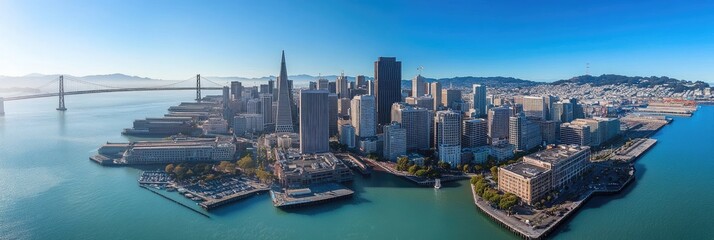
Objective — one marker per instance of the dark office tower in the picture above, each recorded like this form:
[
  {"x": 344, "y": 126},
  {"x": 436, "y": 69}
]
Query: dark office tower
[
  {"x": 332, "y": 87},
  {"x": 333, "y": 113},
  {"x": 271, "y": 86},
  {"x": 323, "y": 84},
  {"x": 266, "y": 107},
  {"x": 264, "y": 88},
  {"x": 314, "y": 117},
  {"x": 312, "y": 86},
  {"x": 361, "y": 82},
  {"x": 284, "y": 113},
  {"x": 236, "y": 89},
  {"x": 387, "y": 87}
]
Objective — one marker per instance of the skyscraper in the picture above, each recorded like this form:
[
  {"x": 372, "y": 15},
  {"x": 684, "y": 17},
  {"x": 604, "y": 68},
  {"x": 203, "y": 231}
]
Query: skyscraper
[
  {"x": 447, "y": 125},
  {"x": 474, "y": 132},
  {"x": 387, "y": 87},
  {"x": 498, "y": 123},
  {"x": 236, "y": 90},
  {"x": 524, "y": 133},
  {"x": 361, "y": 82},
  {"x": 323, "y": 84},
  {"x": 363, "y": 115},
  {"x": 343, "y": 90},
  {"x": 535, "y": 107},
  {"x": 343, "y": 107},
  {"x": 449, "y": 97},
  {"x": 284, "y": 114},
  {"x": 435, "y": 91},
  {"x": 418, "y": 86},
  {"x": 479, "y": 99},
  {"x": 332, "y": 99},
  {"x": 314, "y": 117},
  {"x": 417, "y": 122},
  {"x": 266, "y": 107}
]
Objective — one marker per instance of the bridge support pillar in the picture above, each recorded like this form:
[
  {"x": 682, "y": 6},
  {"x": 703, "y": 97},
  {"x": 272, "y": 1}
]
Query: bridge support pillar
[
  {"x": 61, "y": 94},
  {"x": 2, "y": 106},
  {"x": 198, "y": 88}
]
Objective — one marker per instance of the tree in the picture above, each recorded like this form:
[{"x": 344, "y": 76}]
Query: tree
[
  {"x": 508, "y": 201},
  {"x": 413, "y": 169},
  {"x": 402, "y": 163},
  {"x": 264, "y": 176},
  {"x": 478, "y": 167},
  {"x": 420, "y": 173},
  {"x": 494, "y": 172},
  {"x": 444, "y": 165},
  {"x": 466, "y": 168},
  {"x": 169, "y": 168},
  {"x": 246, "y": 162}
]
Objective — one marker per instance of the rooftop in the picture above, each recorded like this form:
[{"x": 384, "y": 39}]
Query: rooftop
[
  {"x": 525, "y": 169},
  {"x": 558, "y": 153}
]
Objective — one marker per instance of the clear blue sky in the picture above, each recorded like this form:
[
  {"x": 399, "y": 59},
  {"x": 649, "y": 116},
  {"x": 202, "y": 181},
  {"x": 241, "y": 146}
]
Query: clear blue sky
[{"x": 538, "y": 40}]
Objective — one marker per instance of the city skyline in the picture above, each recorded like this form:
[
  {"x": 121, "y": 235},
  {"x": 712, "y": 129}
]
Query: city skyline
[{"x": 542, "y": 42}]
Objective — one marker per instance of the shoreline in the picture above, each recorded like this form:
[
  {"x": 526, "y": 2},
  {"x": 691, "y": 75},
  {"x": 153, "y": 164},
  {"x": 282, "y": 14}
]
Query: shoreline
[{"x": 522, "y": 229}]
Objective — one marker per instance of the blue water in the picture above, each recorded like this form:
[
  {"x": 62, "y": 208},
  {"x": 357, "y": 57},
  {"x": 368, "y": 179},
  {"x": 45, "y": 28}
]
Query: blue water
[{"x": 50, "y": 190}]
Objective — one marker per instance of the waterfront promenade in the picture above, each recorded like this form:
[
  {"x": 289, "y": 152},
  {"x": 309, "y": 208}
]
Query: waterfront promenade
[{"x": 526, "y": 230}]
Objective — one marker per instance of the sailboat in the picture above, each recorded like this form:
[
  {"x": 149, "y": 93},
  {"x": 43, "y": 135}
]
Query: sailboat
[{"x": 437, "y": 183}]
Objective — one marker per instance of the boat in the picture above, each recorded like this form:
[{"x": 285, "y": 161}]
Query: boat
[{"x": 437, "y": 183}]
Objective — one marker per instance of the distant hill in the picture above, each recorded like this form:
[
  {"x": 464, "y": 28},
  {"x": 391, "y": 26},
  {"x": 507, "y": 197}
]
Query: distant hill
[
  {"x": 467, "y": 82},
  {"x": 613, "y": 79}
]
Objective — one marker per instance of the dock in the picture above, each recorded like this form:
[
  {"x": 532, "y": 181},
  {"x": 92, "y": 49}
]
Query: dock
[
  {"x": 313, "y": 194},
  {"x": 177, "y": 202},
  {"x": 355, "y": 163},
  {"x": 638, "y": 147},
  {"x": 212, "y": 203}
]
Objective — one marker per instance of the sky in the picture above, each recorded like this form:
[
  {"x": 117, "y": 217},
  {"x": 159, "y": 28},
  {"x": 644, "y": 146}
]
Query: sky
[{"x": 535, "y": 40}]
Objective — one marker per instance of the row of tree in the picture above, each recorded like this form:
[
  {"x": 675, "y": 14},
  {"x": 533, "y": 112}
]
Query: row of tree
[{"x": 502, "y": 201}]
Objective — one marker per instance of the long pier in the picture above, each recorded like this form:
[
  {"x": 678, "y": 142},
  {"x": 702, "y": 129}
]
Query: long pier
[
  {"x": 179, "y": 203},
  {"x": 214, "y": 203}
]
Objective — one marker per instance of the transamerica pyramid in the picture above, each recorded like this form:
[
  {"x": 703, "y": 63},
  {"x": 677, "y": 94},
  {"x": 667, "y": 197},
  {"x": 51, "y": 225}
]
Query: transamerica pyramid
[{"x": 283, "y": 117}]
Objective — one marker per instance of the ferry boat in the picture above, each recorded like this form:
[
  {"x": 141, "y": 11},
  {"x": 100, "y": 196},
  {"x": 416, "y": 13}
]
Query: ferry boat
[{"x": 437, "y": 183}]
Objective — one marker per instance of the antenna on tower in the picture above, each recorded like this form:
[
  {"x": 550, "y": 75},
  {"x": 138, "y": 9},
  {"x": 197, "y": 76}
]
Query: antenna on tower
[
  {"x": 420, "y": 69},
  {"x": 587, "y": 69}
]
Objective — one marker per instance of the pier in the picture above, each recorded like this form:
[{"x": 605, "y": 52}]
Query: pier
[
  {"x": 214, "y": 203},
  {"x": 425, "y": 182},
  {"x": 177, "y": 202},
  {"x": 638, "y": 147},
  {"x": 362, "y": 167},
  {"x": 313, "y": 194}
]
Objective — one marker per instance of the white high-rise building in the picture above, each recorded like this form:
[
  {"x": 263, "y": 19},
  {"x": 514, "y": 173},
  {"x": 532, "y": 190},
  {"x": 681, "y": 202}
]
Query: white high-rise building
[
  {"x": 535, "y": 107},
  {"x": 395, "y": 145},
  {"x": 363, "y": 113},
  {"x": 418, "y": 86},
  {"x": 447, "y": 125},
  {"x": 479, "y": 100},
  {"x": 342, "y": 87}
]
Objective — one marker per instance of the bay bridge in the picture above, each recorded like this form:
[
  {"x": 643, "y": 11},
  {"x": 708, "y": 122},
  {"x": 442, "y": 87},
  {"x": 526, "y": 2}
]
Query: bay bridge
[{"x": 104, "y": 88}]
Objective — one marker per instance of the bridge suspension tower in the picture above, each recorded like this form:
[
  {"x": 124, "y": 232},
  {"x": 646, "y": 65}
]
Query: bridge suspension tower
[
  {"x": 61, "y": 94},
  {"x": 198, "y": 87}
]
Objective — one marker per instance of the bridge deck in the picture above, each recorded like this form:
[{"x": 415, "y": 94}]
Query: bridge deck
[{"x": 105, "y": 91}]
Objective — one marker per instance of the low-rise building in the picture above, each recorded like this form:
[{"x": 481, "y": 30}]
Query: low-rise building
[{"x": 296, "y": 170}]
